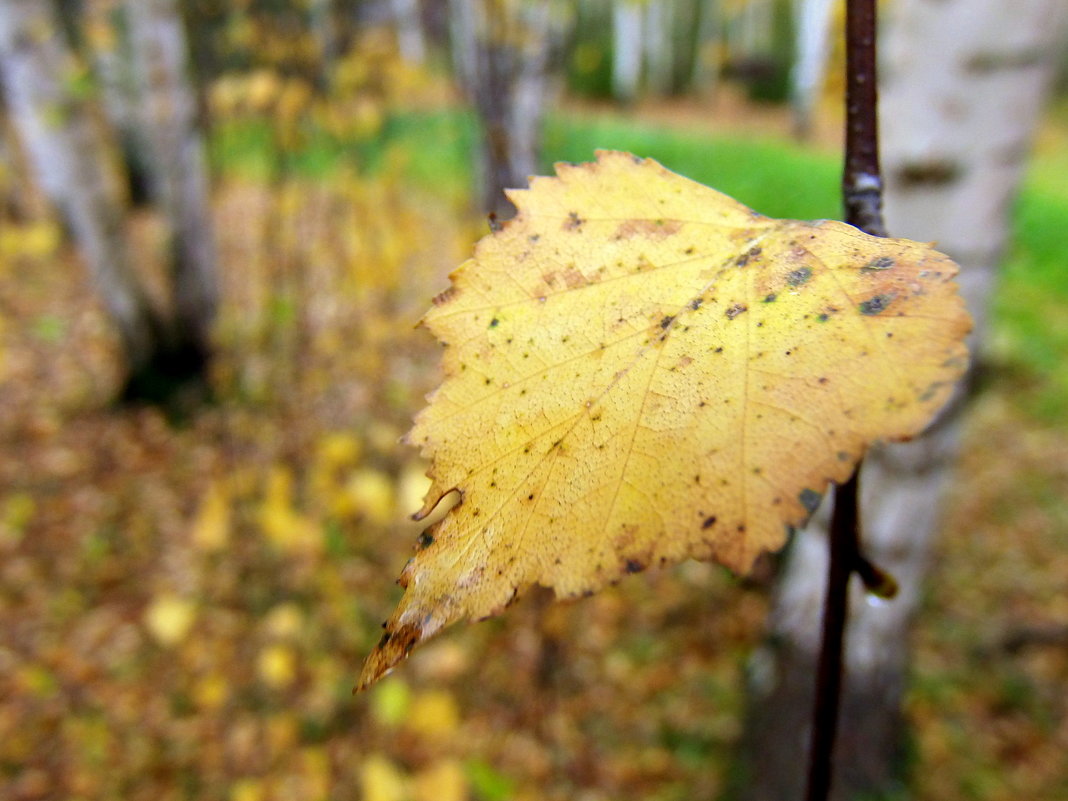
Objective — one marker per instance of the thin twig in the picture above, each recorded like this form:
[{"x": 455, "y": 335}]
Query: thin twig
[{"x": 862, "y": 197}]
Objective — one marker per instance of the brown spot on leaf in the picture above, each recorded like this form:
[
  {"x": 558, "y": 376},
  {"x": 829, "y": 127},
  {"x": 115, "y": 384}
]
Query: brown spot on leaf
[
  {"x": 735, "y": 310},
  {"x": 573, "y": 221},
  {"x": 653, "y": 229}
]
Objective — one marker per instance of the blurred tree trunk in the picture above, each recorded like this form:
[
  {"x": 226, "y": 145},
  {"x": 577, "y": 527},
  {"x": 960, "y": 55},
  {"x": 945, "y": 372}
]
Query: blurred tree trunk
[
  {"x": 407, "y": 17},
  {"x": 708, "y": 38},
  {"x": 77, "y": 167},
  {"x": 626, "y": 50},
  {"x": 812, "y": 24},
  {"x": 503, "y": 55},
  {"x": 321, "y": 14},
  {"x": 964, "y": 83},
  {"x": 68, "y": 151},
  {"x": 177, "y": 170},
  {"x": 659, "y": 45}
]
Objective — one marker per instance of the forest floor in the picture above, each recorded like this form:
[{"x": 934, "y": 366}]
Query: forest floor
[{"x": 185, "y": 603}]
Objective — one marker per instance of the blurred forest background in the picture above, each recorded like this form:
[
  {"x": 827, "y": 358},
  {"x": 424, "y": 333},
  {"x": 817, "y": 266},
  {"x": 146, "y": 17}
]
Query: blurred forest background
[{"x": 219, "y": 225}]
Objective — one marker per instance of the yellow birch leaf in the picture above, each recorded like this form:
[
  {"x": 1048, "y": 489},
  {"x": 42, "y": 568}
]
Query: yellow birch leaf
[
  {"x": 381, "y": 780},
  {"x": 639, "y": 369},
  {"x": 169, "y": 619},
  {"x": 277, "y": 666},
  {"x": 433, "y": 714},
  {"x": 443, "y": 780},
  {"x": 211, "y": 526}
]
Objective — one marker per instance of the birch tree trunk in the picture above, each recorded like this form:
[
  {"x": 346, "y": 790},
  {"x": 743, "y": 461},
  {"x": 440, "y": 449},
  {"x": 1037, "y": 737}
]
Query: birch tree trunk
[
  {"x": 626, "y": 50},
  {"x": 812, "y": 23},
  {"x": 659, "y": 45},
  {"x": 708, "y": 37},
  {"x": 69, "y": 154},
  {"x": 407, "y": 18},
  {"x": 964, "y": 83},
  {"x": 177, "y": 168},
  {"x": 502, "y": 51}
]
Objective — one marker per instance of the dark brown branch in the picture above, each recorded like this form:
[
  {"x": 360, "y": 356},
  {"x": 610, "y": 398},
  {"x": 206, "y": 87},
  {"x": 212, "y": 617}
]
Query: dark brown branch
[
  {"x": 862, "y": 197},
  {"x": 862, "y": 183}
]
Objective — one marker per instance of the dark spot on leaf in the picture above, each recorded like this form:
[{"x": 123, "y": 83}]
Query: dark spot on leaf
[
  {"x": 810, "y": 499},
  {"x": 735, "y": 310},
  {"x": 695, "y": 304},
  {"x": 426, "y": 539},
  {"x": 824, "y": 317},
  {"x": 881, "y": 263},
  {"x": 494, "y": 323},
  {"x": 709, "y": 522},
  {"x": 799, "y": 276},
  {"x": 770, "y": 298},
  {"x": 634, "y": 567},
  {"x": 664, "y": 323},
  {"x": 385, "y": 639},
  {"x": 574, "y": 222},
  {"x": 746, "y": 257},
  {"x": 494, "y": 224},
  {"x": 876, "y": 304}
]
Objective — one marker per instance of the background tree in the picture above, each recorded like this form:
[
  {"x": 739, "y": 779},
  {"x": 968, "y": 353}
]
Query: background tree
[
  {"x": 49, "y": 93},
  {"x": 502, "y": 55},
  {"x": 178, "y": 172},
  {"x": 964, "y": 83}
]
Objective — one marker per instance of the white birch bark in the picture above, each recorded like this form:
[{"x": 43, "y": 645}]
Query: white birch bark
[
  {"x": 178, "y": 164},
  {"x": 812, "y": 25},
  {"x": 964, "y": 82},
  {"x": 659, "y": 50},
  {"x": 626, "y": 50},
  {"x": 502, "y": 53},
  {"x": 409, "y": 25},
  {"x": 707, "y": 38},
  {"x": 69, "y": 154}
]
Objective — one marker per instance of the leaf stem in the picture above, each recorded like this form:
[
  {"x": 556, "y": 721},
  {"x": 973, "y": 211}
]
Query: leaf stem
[{"x": 862, "y": 198}]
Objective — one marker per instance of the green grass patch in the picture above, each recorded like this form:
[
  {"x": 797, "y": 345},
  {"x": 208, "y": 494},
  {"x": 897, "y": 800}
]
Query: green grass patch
[{"x": 774, "y": 177}]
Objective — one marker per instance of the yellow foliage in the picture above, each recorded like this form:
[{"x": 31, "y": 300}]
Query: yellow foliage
[
  {"x": 284, "y": 526},
  {"x": 444, "y": 780},
  {"x": 36, "y": 240},
  {"x": 640, "y": 369},
  {"x": 433, "y": 714},
  {"x": 390, "y": 702},
  {"x": 338, "y": 449},
  {"x": 211, "y": 526},
  {"x": 169, "y": 619},
  {"x": 17, "y": 511},
  {"x": 211, "y": 692},
  {"x": 277, "y": 666},
  {"x": 284, "y": 621},
  {"x": 368, "y": 493},
  {"x": 262, "y": 89},
  {"x": 412, "y": 486},
  {"x": 248, "y": 790},
  {"x": 381, "y": 780}
]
